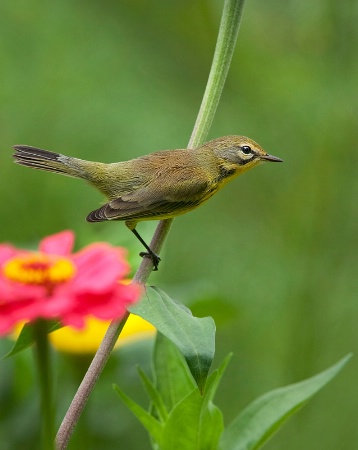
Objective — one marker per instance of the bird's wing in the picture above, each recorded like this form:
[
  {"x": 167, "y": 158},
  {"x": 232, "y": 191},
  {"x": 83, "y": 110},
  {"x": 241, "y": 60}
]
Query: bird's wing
[
  {"x": 148, "y": 203},
  {"x": 122, "y": 210}
]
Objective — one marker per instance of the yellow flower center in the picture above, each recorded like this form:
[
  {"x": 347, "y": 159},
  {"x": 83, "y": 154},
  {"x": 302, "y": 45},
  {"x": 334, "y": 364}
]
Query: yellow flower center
[{"x": 39, "y": 269}]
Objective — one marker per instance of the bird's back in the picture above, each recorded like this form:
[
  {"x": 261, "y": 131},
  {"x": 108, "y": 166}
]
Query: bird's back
[{"x": 170, "y": 173}]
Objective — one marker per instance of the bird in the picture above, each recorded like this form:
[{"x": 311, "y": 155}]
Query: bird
[{"x": 157, "y": 186}]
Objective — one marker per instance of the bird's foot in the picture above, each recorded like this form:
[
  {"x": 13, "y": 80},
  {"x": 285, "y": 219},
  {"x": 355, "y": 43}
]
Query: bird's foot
[{"x": 153, "y": 256}]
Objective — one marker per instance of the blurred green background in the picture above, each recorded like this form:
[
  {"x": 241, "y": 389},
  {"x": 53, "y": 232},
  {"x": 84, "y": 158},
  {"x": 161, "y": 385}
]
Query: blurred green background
[{"x": 273, "y": 257}]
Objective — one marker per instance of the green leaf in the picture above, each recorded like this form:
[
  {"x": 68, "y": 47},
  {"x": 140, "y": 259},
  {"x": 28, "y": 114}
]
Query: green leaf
[
  {"x": 155, "y": 397},
  {"x": 193, "y": 424},
  {"x": 171, "y": 373},
  {"x": 211, "y": 423},
  {"x": 215, "y": 378},
  {"x": 263, "y": 417},
  {"x": 211, "y": 427},
  {"x": 154, "y": 428},
  {"x": 195, "y": 337},
  {"x": 182, "y": 428},
  {"x": 193, "y": 421},
  {"x": 26, "y": 337}
]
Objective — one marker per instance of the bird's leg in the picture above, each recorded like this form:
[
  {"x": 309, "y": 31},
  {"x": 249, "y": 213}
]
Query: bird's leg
[{"x": 149, "y": 253}]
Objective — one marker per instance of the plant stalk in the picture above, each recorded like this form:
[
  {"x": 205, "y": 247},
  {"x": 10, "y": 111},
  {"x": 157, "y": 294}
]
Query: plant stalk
[
  {"x": 42, "y": 357},
  {"x": 227, "y": 37}
]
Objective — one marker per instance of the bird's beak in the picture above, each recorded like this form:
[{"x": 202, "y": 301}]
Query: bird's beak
[{"x": 268, "y": 157}]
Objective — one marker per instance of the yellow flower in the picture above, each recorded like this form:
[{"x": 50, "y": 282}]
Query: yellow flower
[{"x": 87, "y": 340}]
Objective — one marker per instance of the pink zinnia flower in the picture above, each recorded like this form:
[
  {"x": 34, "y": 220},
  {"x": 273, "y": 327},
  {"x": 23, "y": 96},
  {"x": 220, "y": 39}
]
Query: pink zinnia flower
[{"x": 54, "y": 283}]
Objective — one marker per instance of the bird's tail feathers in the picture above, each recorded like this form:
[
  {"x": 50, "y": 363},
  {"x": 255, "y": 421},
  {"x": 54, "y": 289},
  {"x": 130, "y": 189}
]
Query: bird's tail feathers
[{"x": 46, "y": 160}]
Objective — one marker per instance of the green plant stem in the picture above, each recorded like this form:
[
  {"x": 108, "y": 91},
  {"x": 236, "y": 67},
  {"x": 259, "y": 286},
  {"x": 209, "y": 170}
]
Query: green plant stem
[
  {"x": 42, "y": 354},
  {"x": 225, "y": 46},
  {"x": 229, "y": 28}
]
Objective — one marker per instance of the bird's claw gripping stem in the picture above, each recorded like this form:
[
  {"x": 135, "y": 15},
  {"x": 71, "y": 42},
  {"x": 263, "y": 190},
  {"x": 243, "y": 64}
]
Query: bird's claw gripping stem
[{"x": 153, "y": 256}]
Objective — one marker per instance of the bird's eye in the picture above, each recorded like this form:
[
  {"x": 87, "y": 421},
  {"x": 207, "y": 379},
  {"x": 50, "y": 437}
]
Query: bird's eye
[{"x": 246, "y": 150}]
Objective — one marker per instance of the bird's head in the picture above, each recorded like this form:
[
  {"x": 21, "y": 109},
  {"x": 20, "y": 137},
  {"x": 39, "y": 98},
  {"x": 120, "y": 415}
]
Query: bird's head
[{"x": 239, "y": 153}]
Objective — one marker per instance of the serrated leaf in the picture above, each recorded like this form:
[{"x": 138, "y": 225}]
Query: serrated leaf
[
  {"x": 154, "y": 428},
  {"x": 26, "y": 337},
  {"x": 262, "y": 418},
  {"x": 171, "y": 373},
  {"x": 195, "y": 337}
]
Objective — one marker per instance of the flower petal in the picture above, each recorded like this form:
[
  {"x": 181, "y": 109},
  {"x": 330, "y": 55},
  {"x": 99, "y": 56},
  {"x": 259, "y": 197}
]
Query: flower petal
[
  {"x": 74, "y": 320},
  {"x": 11, "y": 292},
  {"x": 111, "y": 304},
  {"x": 98, "y": 267},
  {"x": 7, "y": 251},
  {"x": 58, "y": 244},
  {"x": 94, "y": 289}
]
